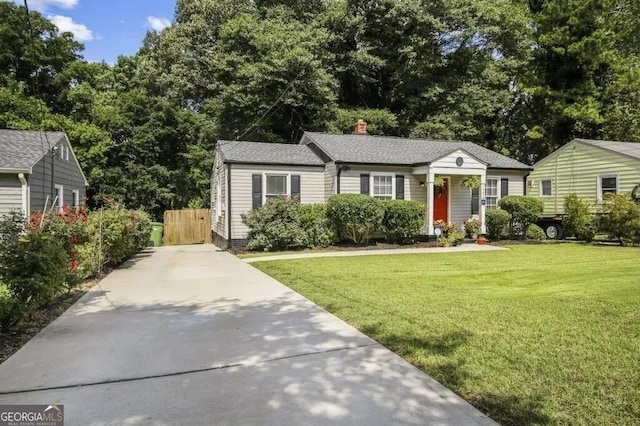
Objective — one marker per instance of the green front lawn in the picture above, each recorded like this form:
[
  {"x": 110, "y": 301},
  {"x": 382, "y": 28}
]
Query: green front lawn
[{"x": 534, "y": 335}]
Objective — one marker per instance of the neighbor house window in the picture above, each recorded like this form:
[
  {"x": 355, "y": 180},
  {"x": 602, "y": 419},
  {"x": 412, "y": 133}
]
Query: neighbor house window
[
  {"x": 607, "y": 184},
  {"x": 276, "y": 186},
  {"x": 545, "y": 188},
  {"x": 382, "y": 187},
  {"x": 76, "y": 198},
  {"x": 59, "y": 196},
  {"x": 491, "y": 193}
]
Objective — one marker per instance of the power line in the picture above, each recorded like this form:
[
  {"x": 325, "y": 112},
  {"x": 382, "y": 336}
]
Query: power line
[{"x": 290, "y": 84}]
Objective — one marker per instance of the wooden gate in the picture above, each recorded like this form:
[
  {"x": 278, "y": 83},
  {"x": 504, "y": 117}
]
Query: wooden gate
[{"x": 187, "y": 227}]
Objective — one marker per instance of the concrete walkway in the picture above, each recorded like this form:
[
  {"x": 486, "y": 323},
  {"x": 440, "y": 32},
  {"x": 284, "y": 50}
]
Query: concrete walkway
[
  {"x": 195, "y": 336},
  {"x": 425, "y": 250}
]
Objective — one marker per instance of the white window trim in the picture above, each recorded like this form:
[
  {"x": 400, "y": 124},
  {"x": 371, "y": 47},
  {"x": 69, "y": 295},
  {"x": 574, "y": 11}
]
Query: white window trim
[
  {"x": 264, "y": 184},
  {"x": 540, "y": 187},
  {"x": 67, "y": 154},
  {"x": 76, "y": 196},
  {"x": 599, "y": 195},
  {"x": 498, "y": 190},
  {"x": 393, "y": 183},
  {"x": 61, "y": 198}
]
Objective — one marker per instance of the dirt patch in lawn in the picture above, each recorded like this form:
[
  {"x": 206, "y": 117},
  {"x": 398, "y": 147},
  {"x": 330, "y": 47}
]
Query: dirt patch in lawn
[{"x": 19, "y": 335}]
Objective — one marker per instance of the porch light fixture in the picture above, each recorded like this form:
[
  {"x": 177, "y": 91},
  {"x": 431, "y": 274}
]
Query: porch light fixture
[{"x": 422, "y": 183}]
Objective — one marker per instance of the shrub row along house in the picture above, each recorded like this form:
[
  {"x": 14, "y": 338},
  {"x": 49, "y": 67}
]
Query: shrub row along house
[
  {"x": 36, "y": 167},
  {"x": 248, "y": 174}
]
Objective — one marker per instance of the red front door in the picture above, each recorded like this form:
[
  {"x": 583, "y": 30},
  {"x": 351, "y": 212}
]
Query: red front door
[{"x": 441, "y": 202}]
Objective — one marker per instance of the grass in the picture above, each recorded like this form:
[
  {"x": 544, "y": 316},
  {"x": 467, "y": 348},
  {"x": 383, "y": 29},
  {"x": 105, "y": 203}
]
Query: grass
[{"x": 539, "y": 334}]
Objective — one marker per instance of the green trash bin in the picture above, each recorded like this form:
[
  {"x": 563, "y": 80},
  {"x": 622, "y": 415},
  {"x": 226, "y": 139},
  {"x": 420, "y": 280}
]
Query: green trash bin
[{"x": 156, "y": 233}]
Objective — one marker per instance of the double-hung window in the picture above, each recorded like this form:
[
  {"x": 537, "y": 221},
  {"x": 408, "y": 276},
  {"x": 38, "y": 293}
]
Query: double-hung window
[
  {"x": 76, "y": 198},
  {"x": 546, "y": 188},
  {"x": 382, "y": 187},
  {"x": 607, "y": 184},
  {"x": 59, "y": 196},
  {"x": 492, "y": 192},
  {"x": 277, "y": 186}
]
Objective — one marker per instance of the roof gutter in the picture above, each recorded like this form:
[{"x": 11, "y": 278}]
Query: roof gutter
[{"x": 15, "y": 171}]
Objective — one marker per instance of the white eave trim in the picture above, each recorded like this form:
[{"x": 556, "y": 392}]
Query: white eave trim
[{"x": 15, "y": 171}]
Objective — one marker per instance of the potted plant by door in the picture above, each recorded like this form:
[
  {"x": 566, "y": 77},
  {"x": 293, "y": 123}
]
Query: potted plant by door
[
  {"x": 472, "y": 227},
  {"x": 482, "y": 240}
]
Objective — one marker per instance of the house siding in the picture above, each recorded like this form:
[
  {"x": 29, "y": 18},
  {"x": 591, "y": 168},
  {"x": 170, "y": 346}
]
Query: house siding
[
  {"x": 575, "y": 169},
  {"x": 219, "y": 222},
  {"x": 460, "y": 202},
  {"x": 66, "y": 173},
  {"x": 10, "y": 193},
  {"x": 312, "y": 190}
]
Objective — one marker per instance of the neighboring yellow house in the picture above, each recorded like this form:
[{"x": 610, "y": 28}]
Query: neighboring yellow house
[{"x": 588, "y": 168}]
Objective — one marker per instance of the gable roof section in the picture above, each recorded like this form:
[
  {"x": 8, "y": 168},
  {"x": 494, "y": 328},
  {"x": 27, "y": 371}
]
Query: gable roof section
[
  {"x": 22, "y": 149},
  {"x": 268, "y": 153},
  {"x": 386, "y": 150},
  {"x": 630, "y": 149}
]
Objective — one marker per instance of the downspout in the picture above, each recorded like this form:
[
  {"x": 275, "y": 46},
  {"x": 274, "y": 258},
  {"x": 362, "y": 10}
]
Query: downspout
[
  {"x": 25, "y": 195},
  {"x": 339, "y": 167},
  {"x": 54, "y": 150},
  {"x": 229, "y": 206},
  {"x": 555, "y": 187}
]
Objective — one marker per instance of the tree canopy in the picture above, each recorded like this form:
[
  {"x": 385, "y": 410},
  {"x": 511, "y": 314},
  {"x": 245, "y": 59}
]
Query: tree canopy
[{"x": 520, "y": 77}]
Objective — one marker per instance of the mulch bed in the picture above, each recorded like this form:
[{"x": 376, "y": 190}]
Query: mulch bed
[
  {"x": 13, "y": 340},
  {"x": 350, "y": 247}
]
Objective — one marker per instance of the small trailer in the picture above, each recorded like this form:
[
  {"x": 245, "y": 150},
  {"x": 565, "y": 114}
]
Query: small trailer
[{"x": 588, "y": 168}]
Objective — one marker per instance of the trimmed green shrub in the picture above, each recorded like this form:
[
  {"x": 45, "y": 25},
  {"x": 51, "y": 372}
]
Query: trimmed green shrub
[
  {"x": 622, "y": 218},
  {"x": 275, "y": 226},
  {"x": 316, "y": 225},
  {"x": 578, "y": 221},
  {"x": 355, "y": 217},
  {"x": 524, "y": 211},
  {"x": 403, "y": 220},
  {"x": 497, "y": 222},
  {"x": 536, "y": 233}
]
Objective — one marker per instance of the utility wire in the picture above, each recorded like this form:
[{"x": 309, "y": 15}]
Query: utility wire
[
  {"x": 35, "y": 87},
  {"x": 290, "y": 86}
]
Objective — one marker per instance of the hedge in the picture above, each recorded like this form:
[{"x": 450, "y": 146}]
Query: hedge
[
  {"x": 355, "y": 217},
  {"x": 403, "y": 220}
]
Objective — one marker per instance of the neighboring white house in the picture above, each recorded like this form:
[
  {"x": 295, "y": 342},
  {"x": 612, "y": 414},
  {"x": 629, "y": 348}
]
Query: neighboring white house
[{"x": 247, "y": 174}]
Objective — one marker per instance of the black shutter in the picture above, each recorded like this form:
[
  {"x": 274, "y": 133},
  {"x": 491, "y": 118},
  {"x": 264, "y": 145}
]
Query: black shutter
[
  {"x": 475, "y": 201},
  {"x": 295, "y": 187},
  {"x": 257, "y": 191},
  {"x": 399, "y": 187},
  {"x": 364, "y": 184},
  {"x": 504, "y": 187}
]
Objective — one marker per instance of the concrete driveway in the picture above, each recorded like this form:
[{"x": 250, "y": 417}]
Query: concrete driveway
[{"x": 195, "y": 336}]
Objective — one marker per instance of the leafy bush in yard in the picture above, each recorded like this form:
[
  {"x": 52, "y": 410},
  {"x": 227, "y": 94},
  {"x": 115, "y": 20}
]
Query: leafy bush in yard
[
  {"x": 275, "y": 226},
  {"x": 355, "y": 217},
  {"x": 536, "y": 233},
  {"x": 316, "y": 225},
  {"x": 622, "y": 218},
  {"x": 116, "y": 235},
  {"x": 578, "y": 221},
  {"x": 403, "y": 220},
  {"x": 524, "y": 211},
  {"x": 497, "y": 222}
]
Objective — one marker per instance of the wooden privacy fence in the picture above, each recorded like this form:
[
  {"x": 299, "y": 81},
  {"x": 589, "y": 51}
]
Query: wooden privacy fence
[{"x": 187, "y": 227}]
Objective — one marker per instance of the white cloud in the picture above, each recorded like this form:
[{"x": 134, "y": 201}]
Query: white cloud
[
  {"x": 66, "y": 24},
  {"x": 157, "y": 23},
  {"x": 42, "y": 5}
]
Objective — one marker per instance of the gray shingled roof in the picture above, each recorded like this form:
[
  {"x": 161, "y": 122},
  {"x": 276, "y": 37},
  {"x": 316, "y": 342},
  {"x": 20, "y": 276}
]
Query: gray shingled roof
[
  {"x": 22, "y": 149},
  {"x": 631, "y": 149},
  {"x": 268, "y": 153},
  {"x": 368, "y": 149}
]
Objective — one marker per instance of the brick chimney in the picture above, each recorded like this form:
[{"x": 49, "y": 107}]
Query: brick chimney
[{"x": 360, "y": 128}]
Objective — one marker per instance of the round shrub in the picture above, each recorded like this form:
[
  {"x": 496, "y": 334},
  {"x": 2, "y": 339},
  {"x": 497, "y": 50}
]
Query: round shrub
[
  {"x": 403, "y": 220},
  {"x": 524, "y": 211},
  {"x": 535, "y": 233},
  {"x": 497, "y": 223},
  {"x": 354, "y": 216},
  {"x": 622, "y": 218},
  {"x": 316, "y": 225},
  {"x": 578, "y": 221},
  {"x": 275, "y": 226}
]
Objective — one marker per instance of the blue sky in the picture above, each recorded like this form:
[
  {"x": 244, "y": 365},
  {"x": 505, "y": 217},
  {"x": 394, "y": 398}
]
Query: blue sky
[{"x": 108, "y": 28}]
